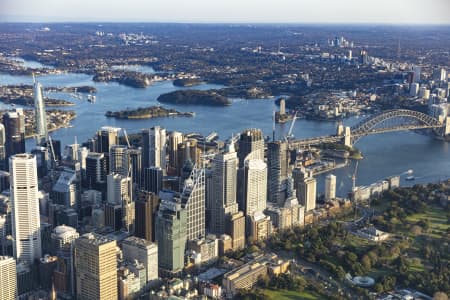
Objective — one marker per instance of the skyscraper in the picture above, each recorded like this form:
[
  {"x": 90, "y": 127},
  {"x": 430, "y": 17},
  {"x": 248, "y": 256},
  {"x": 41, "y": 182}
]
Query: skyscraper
[
  {"x": 154, "y": 147},
  {"x": 3, "y": 165},
  {"x": 330, "y": 187},
  {"x": 95, "y": 267},
  {"x": 107, "y": 137},
  {"x": 193, "y": 200},
  {"x": 146, "y": 207},
  {"x": 25, "y": 208},
  {"x": 95, "y": 169},
  {"x": 134, "y": 164},
  {"x": 250, "y": 140},
  {"x": 120, "y": 193},
  {"x": 170, "y": 227},
  {"x": 305, "y": 185},
  {"x": 277, "y": 169},
  {"x": 175, "y": 138},
  {"x": 153, "y": 179},
  {"x": 223, "y": 189},
  {"x": 254, "y": 184},
  {"x": 14, "y": 122},
  {"x": 8, "y": 278},
  {"x": 40, "y": 115},
  {"x": 118, "y": 160}
]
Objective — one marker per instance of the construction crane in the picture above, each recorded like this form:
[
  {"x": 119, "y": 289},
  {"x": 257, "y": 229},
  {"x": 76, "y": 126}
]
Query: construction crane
[
  {"x": 289, "y": 135},
  {"x": 354, "y": 177},
  {"x": 126, "y": 137}
]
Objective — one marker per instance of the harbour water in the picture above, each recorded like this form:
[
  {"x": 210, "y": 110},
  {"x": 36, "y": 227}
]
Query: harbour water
[{"x": 384, "y": 155}]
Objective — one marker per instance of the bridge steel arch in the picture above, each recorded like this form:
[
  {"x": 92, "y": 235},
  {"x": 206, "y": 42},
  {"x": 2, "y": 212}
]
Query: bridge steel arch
[{"x": 396, "y": 120}]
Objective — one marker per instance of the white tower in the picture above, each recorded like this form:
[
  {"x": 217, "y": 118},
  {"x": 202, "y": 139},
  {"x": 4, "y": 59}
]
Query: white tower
[
  {"x": 8, "y": 279},
  {"x": 41, "y": 119},
  {"x": 25, "y": 208},
  {"x": 330, "y": 187},
  {"x": 255, "y": 186}
]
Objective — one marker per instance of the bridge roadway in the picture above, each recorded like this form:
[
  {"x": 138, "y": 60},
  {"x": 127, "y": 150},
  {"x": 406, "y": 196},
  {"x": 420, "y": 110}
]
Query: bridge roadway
[{"x": 394, "y": 120}]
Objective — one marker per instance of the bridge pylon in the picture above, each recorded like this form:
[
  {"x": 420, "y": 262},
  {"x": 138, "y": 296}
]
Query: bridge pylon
[{"x": 348, "y": 137}]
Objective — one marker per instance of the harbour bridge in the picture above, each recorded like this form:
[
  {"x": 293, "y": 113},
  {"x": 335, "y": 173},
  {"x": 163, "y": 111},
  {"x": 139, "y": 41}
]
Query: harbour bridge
[{"x": 386, "y": 121}]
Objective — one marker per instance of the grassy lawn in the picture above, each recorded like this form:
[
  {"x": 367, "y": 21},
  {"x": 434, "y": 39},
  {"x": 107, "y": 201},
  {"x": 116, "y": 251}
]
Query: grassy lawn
[
  {"x": 290, "y": 295},
  {"x": 437, "y": 219}
]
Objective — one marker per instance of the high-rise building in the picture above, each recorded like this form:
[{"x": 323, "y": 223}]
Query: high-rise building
[
  {"x": 146, "y": 207},
  {"x": 235, "y": 227},
  {"x": 417, "y": 70},
  {"x": 25, "y": 208},
  {"x": 134, "y": 165},
  {"x": 250, "y": 141},
  {"x": 96, "y": 169},
  {"x": 120, "y": 193},
  {"x": 193, "y": 201},
  {"x": 254, "y": 185},
  {"x": 95, "y": 267},
  {"x": 259, "y": 226},
  {"x": 154, "y": 147},
  {"x": 14, "y": 122},
  {"x": 40, "y": 115},
  {"x": 145, "y": 252},
  {"x": 187, "y": 152},
  {"x": 66, "y": 190},
  {"x": 330, "y": 187},
  {"x": 3, "y": 165},
  {"x": 107, "y": 137},
  {"x": 222, "y": 191},
  {"x": 277, "y": 170},
  {"x": 171, "y": 232},
  {"x": 175, "y": 138},
  {"x": 118, "y": 160},
  {"x": 305, "y": 185},
  {"x": 153, "y": 179},
  {"x": 63, "y": 238},
  {"x": 8, "y": 278}
]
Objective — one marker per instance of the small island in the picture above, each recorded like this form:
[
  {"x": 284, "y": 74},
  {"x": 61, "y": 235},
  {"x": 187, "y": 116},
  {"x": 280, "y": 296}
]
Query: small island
[
  {"x": 195, "y": 97},
  {"x": 147, "y": 113}
]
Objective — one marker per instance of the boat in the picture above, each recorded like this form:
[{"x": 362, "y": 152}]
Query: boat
[
  {"x": 410, "y": 178},
  {"x": 91, "y": 98}
]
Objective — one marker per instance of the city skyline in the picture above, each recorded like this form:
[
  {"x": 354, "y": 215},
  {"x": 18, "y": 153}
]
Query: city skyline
[{"x": 202, "y": 11}]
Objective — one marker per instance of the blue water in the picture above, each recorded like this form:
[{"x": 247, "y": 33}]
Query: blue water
[{"x": 384, "y": 155}]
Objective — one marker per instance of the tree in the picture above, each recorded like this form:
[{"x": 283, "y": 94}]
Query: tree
[{"x": 440, "y": 296}]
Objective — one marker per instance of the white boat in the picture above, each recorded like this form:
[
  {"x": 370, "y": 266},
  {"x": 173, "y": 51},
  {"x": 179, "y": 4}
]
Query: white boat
[{"x": 410, "y": 178}]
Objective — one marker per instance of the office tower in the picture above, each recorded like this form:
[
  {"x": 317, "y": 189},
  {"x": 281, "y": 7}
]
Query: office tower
[
  {"x": 95, "y": 267},
  {"x": 14, "y": 122},
  {"x": 95, "y": 169},
  {"x": 250, "y": 141},
  {"x": 330, "y": 187},
  {"x": 223, "y": 189},
  {"x": 66, "y": 190},
  {"x": 134, "y": 164},
  {"x": 153, "y": 179},
  {"x": 277, "y": 169},
  {"x": 3, "y": 165},
  {"x": 146, "y": 207},
  {"x": 255, "y": 186},
  {"x": 4, "y": 181},
  {"x": 193, "y": 201},
  {"x": 235, "y": 227},
  {"x": 439, "y": 74},
  {"x": 120, "y": 193},
  {"x": 56, "y": 144},
  {"x": 154, "y": 147},
  {"x": 40, "y": 115},
  {"x": 414, "y": 89},
  {"x": 145, "y": 252},
  {"x": 107, "y": 137},
  {"x": 170, "y": 228},
  {"x": 42, "y": 160},
  {"x": 417, "y": 70},
  {"x": 118, "y": 160},
  {"x": 305, "y": 185},
  {"x": 25, "y": 208},
  {"x": 71, "y": 152},
  {"x": 8, "y": 279},
  {"x": 187, "y": 151},
  {"x": 175, "y": 138}
]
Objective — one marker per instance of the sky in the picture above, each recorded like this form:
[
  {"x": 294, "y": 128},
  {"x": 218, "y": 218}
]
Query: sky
[{"x": 228, "y": 11}]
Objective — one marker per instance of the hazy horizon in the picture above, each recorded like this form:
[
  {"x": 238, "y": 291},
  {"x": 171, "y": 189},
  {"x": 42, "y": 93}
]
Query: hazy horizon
[{"x": 398, "y": 12}]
